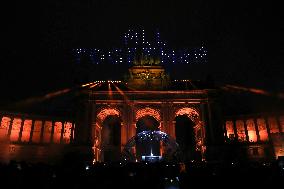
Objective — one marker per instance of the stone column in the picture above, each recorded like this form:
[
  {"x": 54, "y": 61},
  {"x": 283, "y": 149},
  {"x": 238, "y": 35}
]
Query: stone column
[
  {"x": 246, "y": 130},
  {"x": 267, "y": 128},
  {"x": 124, "y": 126},
  {"x": 235, "y": 130},
  {"x": 210, "y": 129},
  {"x": 21, "y": 129},
  {"x": 52, "y": 131},
  {"x": 206, "y": 124},
  {"x": 123, "y": 135},
  {"x": 131, "y": 122},
  {"x": 72, "y": 134},
  {"x": 1, "y": 117},
  {"x": 256, "y": 129},
  {"x": 32, "y": 130},
  {"x": 42, "y": 131},
  {"x": 10, "y": 127},
  {"x": 171, "y": 130},
  {"x": 62, "y": 131},
  {"x": 161, "y": 126},
  {"x": 132, "y": 132},
  {"x": 164, "y": 112}
]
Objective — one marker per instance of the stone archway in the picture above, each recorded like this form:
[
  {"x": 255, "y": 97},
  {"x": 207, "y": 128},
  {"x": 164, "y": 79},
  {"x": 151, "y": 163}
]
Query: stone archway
[
  {"x": 198, "y": 127},
  {"x": 104, "y": 114},
  {"x": 172, "y": 148},
  {"x": 191, "y": 113},
  {"x": 147, "y": 119}
]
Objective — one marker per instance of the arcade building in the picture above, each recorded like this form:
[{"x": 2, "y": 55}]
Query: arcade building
[{"x": 149, "y": 115}]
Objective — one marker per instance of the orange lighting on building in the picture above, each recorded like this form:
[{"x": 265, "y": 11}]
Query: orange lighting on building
[
  {"x": 241, "y": 130},
  {"x": 26, "y": 131},
  {"x": 230, "y": 129},
  {"x": 57, "y": 132},
  {"x": 67, "y": 132},
  {"x": 47, "y": 131},
  {"x": 273, "y": 125},
  {"x": 122, "y": 93},
  {"x": 4, "y": 127},
  {"x": 37, "y": 131},
  {"x": 14, "y": 136},
  {"x": 262, "y": 129},
  {"x": 251, "y": 130}
]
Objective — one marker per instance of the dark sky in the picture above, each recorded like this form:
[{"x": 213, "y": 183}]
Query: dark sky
[{"x": 244, "y": 40}]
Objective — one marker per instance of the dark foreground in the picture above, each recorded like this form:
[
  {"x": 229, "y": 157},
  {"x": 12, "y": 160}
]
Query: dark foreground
[{"x": 142, "y": 175}]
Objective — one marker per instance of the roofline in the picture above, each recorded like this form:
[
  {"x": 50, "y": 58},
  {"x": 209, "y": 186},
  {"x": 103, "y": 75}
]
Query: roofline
[{"x": 204, "y": 91}]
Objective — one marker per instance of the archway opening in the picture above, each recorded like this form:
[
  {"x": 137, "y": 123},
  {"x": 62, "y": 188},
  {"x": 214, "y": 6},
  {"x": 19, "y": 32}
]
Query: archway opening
[
  {"x": 147, "y": 147},
  {"x": 172, "y": 152},
  {"x": 111, "y": 138},
  {"x": 185, "y": 137}
]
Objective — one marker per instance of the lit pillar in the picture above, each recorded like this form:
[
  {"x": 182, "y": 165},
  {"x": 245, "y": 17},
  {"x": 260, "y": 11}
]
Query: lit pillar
[
  {"x": 21, "y": 129},
  {"x": 1, "y": 117},
  {"x": 72, "y": 134},
  {"x": 132, "y": 132},
  {"x": 161, "y": 126},
  {"x": 61, "y": 133},
  {"x": 32, "y": 130},
  {"x": 52, "y": 130},
  {"x": 161, "y": 148},
  {"x": 165, "y": 117},
  {"x": 235, "y": 130},
  {"x": 173, "y": 129},
  {"x": 246, "y": 130},
  {"x": 10, "y": 127},
  {"x": 211, "y": 123}
]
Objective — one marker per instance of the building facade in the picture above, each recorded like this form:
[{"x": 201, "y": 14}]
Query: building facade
[{"x": 110, "y": 113}]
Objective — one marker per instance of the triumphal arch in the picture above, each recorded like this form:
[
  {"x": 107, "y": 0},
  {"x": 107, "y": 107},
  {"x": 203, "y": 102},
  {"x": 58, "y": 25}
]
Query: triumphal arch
[{"x": 115, "y": 111}]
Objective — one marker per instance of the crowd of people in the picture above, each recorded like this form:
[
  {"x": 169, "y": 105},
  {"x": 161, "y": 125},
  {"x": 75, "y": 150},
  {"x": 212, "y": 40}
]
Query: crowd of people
[{"x": 140, "y": 175}]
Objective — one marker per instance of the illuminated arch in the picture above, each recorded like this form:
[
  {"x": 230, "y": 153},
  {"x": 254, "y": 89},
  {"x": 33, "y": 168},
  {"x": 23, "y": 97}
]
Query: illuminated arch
[
  {"x": 189, "y": 112},
  {"x": 107, "y": 112},
  {"x": 148, "y": 111}
]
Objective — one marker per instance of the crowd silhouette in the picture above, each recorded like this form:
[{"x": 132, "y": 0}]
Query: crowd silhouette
[{"x": 140, "y": 175}]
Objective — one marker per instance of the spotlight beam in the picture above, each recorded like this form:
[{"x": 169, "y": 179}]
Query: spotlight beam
[
  {"x": 253, "y": 90},
  {"x": 122, "y": 93}
]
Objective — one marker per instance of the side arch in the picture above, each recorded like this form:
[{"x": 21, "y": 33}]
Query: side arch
[
  {"x": 101, "y": 116},
  {"x": 104, "y": 112},
  {"x": 190, "y": 112},
  {"x": 199, "y": 129}
]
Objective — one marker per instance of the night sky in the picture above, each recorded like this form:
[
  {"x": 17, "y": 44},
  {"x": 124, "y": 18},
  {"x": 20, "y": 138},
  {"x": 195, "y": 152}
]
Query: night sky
[{"x": 244, "y": 40}]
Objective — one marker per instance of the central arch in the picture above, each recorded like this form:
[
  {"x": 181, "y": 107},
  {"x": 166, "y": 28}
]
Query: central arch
[
  {"x": 147, "y": 123},
  {"x": 148, "y": 111},
  {"x": 172, "y": 152}
]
